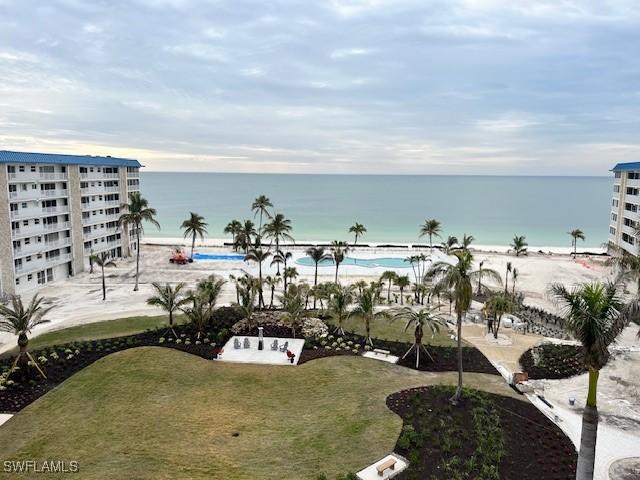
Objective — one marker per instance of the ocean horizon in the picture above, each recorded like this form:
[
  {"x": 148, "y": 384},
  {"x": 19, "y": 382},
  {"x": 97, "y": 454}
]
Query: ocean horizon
[{"x": 392, "y": 207}]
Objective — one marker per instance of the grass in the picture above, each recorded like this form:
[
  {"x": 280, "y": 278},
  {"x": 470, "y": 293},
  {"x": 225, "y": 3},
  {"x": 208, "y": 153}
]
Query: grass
[
  {"x": 98, "y": 330},
  {"x": 162, "y": 414}
]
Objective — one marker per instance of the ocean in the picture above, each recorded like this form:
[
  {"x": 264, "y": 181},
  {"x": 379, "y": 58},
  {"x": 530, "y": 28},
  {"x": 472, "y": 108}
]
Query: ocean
[{"x": 322, "y": 207}]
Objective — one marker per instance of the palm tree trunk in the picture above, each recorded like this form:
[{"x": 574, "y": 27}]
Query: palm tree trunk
[
  {"x": 135, "y": 288},
  {"x": 389, "y": 291},
  {"x": 401, "y": 296},
  {"x": 337, "y": 265},
  {"x": 431, "y": 244},
  {"x": 315, "y": 284},
  {"x": 587, "y": 453},
  {"x": 104, "y": 287},
  {"x": 193, "y": 243},
  {"x": 506, "y": 282},
  {"x": 458, "y": 395}
]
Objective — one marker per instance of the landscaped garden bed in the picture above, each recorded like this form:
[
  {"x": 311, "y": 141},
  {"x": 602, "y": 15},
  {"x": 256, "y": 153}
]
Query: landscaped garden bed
[
  {"x": 553, "y": 361},
  {"x": 486, "y": 436}
]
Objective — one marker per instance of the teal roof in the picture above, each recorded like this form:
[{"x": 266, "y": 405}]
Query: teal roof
[
  {"x": 626, "y": 167},
  {"x": 61, "y": 159}
]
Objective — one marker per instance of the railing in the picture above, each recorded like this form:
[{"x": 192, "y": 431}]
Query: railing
[
  {"x": 41, "y": 247},
  {"x": 55, "y": 193},
  {"x": 53, "y": 176},
  {"x": 56, "y": 209},
  {"x": 30, "y": 194},
  {"x": 26, "y": 213},
  {"x": 62, "y": 258},
  {"x": 56, "y": 226}
]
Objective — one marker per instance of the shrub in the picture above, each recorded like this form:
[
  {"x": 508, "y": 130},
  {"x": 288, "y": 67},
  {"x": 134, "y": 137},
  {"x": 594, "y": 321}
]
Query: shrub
[{"x": 226, "y": 317}]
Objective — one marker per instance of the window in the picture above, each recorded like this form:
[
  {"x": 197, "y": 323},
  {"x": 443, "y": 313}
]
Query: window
[
  {"x": 628, "y": 238},
  {"x": 630, "y": 207},
  {"x": 612, "y": 230},
  {"x": 33, "y": 168},
  {"x": 29, "y": 277},
  {"x": 629, "y": 223},
  {"x": 616, "y": 188},
  {"x": 614, "y": 217},
  {"x": 17, "y": 281},
  {"x": 617, "y": 175},
  {"x": 41, "y": 279},
  {"x": 614, "y": 203},
  {"x": 632, "y": 191},
  {"x": 21, "y": 168}
]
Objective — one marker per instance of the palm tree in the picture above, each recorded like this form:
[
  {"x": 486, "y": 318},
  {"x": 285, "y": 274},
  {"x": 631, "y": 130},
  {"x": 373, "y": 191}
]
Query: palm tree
[
  {"x": 430, "y": 228},
  {"x": 402, "y": 282},
  {"x": 519, "y": 245},
  {"x": 339, "y": 304},
  {"x": 458, "y": 278},
  {"x": 170, "y": 299},
  {"x": 593, "y": 313},
  {"x": 449, "y": 244},
  {"x": 278, "y": 230},
  {"x": 466, "y": 241},
  {"x": 339, "y": 250},
  {"x": 244, "y": 238},
  {"x": 102, "y": 260},
  {"x": 134, "y": 214},
  {"x": 247, "y": 303},
  {"x": 514, "y": 277},
  {"x": 389, "y": 277},
  {"x": 496, "y": 306},
  {"x": 258, "y": 255},
  {"x": 365, "y": 309},
  {"x": 261, "y": 206},
  {"x": 317, "y": 254},
  {"x": 576, "y": 235},
  {"x": 506, "y": 277},
  {"x": 358, "y": 230},
  {"x": 281, "y": 257},
  {"x": 272, "y": 283},
  {"x": 293, "y": 306},
  {"x": 426, "y": 317},
  {"x": 290, "y": 273},
  {"x": 234, "y": 227},
  {"x": 20, "y": 321},
  {"x": 210, "y": 289},
  {"x": 628, "y": 265},
  {"x": 199, "y": 314},
  {"x": 194, "y": 226}
]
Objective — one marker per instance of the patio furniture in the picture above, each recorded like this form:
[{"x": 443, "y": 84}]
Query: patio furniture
[
  {"x": 274, "y": 345},
  {"x": 236, "y": 343},
  {"x": 391, "y": 463},
  {"x": 284, "y": 347},
  {"x": 246, "y": 344}
]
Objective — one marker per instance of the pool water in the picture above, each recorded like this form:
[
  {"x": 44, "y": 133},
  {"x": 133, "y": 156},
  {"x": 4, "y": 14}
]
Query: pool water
[
  {"x": 383, "y": 262},
  {"x": 218, "y": 256}
]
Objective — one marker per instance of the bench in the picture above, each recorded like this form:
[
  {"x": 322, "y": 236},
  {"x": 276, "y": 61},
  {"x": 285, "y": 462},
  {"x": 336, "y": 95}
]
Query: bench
[
  {"x": 391, "y": 463},
  {"x": 381, "y": 351}
]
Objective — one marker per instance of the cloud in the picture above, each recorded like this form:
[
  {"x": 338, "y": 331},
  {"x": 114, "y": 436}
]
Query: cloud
[{"x": 350, "y": 52}]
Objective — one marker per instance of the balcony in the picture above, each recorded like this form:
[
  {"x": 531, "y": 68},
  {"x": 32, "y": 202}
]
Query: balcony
[
  {"x": 133, "y": 174},
  {"x": 52, "y": 227},
  {"x": 60, "y": 209},
  {"x": 99, "y": 175},
  {"x": 102, "y": 246},
  {"x": 37, "y": 194},
  {"x": 36, "y": 177},
  {"x": 54, "y": 193},
  {"x": 41, "y": 247},
  {"x": 99, "y": 190},
  {"x": 26, "y": 213}
]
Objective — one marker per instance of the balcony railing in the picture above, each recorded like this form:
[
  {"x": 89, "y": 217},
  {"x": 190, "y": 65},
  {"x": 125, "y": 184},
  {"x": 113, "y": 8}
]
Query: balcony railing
[
  {"x": 57, "y": 209},
  {"x": 26, "y": 213},
  {"x": 57, "y": 226}
]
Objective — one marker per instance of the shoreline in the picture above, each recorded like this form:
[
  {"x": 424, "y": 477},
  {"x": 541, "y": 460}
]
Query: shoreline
[{"x": 373, "y": 247}]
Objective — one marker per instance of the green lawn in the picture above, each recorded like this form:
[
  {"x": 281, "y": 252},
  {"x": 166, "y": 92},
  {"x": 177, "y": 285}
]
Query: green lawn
[
  {"x": 154, "y": 413},
  {"x": 95, "y": 331}
]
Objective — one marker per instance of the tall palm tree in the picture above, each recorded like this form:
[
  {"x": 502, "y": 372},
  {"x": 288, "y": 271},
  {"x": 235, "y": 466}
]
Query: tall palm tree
[
  {"x": 627, "y": 265},
  {"x": 449, "y": 244},
  {"x": 317, "y": 254},
  {"x": 234, "y": 228},
  {"x": 210, "y": 289},
  {"x": 389, "y": 277},
  {"x": 258, "y": 255},
  {"x": 278, "y": 230},
  {"x": 193, "y": 227},
  {"x": 294, "y": 309},
  {"x": 261, "y": 206},
  {"x": 281, "y": 258},
  {"x": 519, "y": 245},
  {"x": 506, "y": 276},
  {"x": 593, "y": 313},
  {"x": 339, "y": 304},
  {"x": 170, "y": 299},
  {"x": 102, "y": 260},
  {"x": 358, "y": 230},
  {"x": 339, "y": 250},
  {"x": 402, "y": 282},
  {"x": 430, "y": 228},
  {"x": 467, "y": 240},
  {"x": 458, "y": 278},
  {"x": 245, "y": 236},
  {"x": 496, "y": 306},
  {"x": 289, "y": 273},
  {"x": 20, "y": 321},
  {"x": 133, "y": 215},
  {"x": 426, "y": 317},
  {"x": 365, "y": 309},
  {"x": 514, "y": 277},
  {"x": 272, "y": 283},
  {"x": 576, "y": 235}
]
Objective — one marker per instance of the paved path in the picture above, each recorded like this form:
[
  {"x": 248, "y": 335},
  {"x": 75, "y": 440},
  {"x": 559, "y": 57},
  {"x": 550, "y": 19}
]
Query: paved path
[{"x": 4, "y": 417}]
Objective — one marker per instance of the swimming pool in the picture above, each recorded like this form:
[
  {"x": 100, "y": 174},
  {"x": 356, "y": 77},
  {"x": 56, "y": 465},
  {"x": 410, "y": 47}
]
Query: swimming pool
[
  {"x": 383, "y": 262},
  {"x": 218, "y": 256}
]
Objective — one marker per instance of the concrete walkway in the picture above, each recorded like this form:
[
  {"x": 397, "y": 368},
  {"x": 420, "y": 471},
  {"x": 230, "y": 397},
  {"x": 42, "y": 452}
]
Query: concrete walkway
[{"x": 4, "y": 417}]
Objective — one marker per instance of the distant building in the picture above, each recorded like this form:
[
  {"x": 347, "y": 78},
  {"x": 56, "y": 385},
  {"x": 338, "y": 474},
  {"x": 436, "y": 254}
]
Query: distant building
[
  {"x": 58, "y": 210},
  {"x": 625, "y": 214}
]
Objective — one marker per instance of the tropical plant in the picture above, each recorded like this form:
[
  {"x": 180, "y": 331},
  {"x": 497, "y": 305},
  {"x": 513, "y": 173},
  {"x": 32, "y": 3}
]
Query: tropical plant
[
  {"x": 389, "y": 277},
  {"x": 281, "y": 258},
  {"x": 261, "y": 206},
  {"x": 576, "y": 235},
  {"x": 20, "y": 321},
  {"x": 278, "y": 230},
  {"x": 246, "y": 235},
  {"x": 293, "y": 306},
  {"x": 627, "y": 265},
  {"x": 247, "y": 304},
  {"x": 514, "y": 277},
  {"x": 102, "y": 260},
  {"x": 430, "y": 228},
  {"x": 170, "y": 299},
  {"x": 449, "y": 245},
  {"x": 467, "y": 240},
  {"x": 290, "y": 273},
  {"x": 358, "y": 231},
  {"x": 365, "y": 309},
  {"x": 258, "y": 255},
  {"x": 199, "y": 314},
  {"x": 317, "y": 254},
  {"x": 339, "y": 250},
  {"x": 134, "y": 214},
  {"x": 210, "y": 289},
  {"x": 509, "y": 269},
  {"x": 593, "y": 314},
  {"x": 402, "y": 282},
  {"x": 458, "y": 278},
  {"x": 424, "y": 318},
  {"x": 272, "y": 283},
  {"x": 519, "y": 245},
  {"x": 495, "y": 307},
  {"x": 339, "y": 304},
  {"x": 193, "y": 227},
  {"x": 234, "y": 228}
]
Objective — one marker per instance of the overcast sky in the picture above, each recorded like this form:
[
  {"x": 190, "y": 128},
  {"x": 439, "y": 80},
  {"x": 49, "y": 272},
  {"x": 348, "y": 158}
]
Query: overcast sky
[{"x": 341, "y": 86}]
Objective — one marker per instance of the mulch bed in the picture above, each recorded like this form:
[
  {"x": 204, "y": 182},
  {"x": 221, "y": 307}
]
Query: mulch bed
[
  {"x": 534, "y": 447},
  {"x": 555, "y": 361}
]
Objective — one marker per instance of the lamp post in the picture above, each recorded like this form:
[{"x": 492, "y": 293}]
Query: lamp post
[{"x": 260, "y": 340}]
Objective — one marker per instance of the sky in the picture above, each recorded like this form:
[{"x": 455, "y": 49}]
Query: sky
[{"x": 338, "y": 86}]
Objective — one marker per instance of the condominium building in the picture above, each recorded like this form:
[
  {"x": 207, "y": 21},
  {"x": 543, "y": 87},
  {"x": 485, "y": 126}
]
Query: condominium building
[
  {"x": 58, "y": 210},
  {"x": 625, "y": 206}
]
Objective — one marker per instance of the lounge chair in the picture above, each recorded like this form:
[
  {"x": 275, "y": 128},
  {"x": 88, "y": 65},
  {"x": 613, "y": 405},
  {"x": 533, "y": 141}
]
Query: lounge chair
[
  {"x": 236, "y": 343},
  {"x": 274, "y": 345},
  {"x": 247, "y": 344},
  {"x": 284, "y": 347}
]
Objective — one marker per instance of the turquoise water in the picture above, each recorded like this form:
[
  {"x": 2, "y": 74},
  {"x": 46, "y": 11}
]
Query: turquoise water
[
  {"x": 322, "y": 207},
  {"x": 217, "y": 256},
  {"x": 360, "y": 262}
]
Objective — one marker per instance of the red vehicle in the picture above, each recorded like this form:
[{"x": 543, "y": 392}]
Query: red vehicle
[{"x": 180, "y": 257}]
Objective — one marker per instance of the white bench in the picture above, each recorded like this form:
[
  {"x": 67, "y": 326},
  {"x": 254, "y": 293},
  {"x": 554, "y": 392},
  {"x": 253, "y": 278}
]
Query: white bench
[{"x": 381, "y": 351}]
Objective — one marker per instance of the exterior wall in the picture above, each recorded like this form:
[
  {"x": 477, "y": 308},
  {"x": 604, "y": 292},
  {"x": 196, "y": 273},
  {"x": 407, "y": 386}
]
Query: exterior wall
[
  {"x": 618, "y": 224},
  {"x": 7, "y": 282},
  {"x": 124, "y": 198},
  {"x": 76, "y": 219}
]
